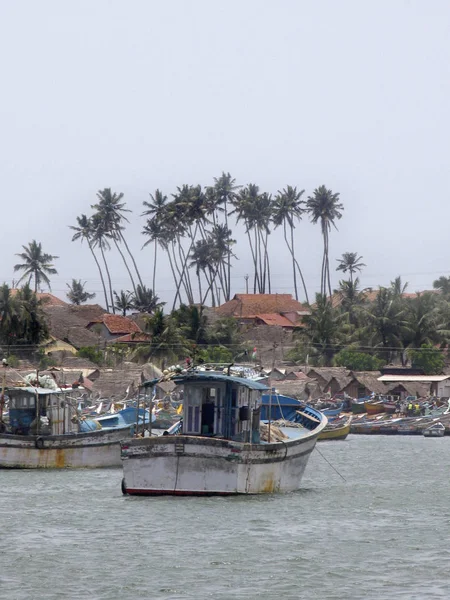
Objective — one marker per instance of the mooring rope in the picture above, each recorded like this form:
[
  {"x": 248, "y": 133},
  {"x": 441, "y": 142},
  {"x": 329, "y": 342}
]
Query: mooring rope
[{"x": 327, "y": 461}]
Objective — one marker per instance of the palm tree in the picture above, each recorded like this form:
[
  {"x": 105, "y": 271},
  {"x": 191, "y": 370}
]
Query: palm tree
[
  {"x": 112, "y": 210},
  {"x": 287, "y": 209},
  {"x": 37, "y": 264},
  {"x": 386, "y": 324},
  {"x": 351, "y": 299},
  {"x": 33, "y": 326},
  {"x": 322, "y": 329},
  {"x": 442, "y": 284},
  {"x": 124, "y": 301},
  {"x": 398, "y": 288},
  {"x": 350, "y": 262},
  {"x": 255, "y": 210},
  {"x": 100, "y": 236},
  {"x": 153, "y": 228},
  {"x": 85, "y": 231},
  {"x": 145, "y": 300},
  {"x": 324, "y": 207},
  {"x": 9, "y": 319},
  {"x": 425, "y": 322},
  {"x": 77, "y": 293},
  {"x": 225, "y": 190}
]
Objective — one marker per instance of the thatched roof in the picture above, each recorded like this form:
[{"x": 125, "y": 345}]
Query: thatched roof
[
  {"x": 327, "y": 373},
  {"x": 302, "y": 390},
  {"x": 114, "y": 383},
  {"x": 412, "y": 388},
  {"x": 68, "y": 323},
  {"x": 368, "y": 379}
]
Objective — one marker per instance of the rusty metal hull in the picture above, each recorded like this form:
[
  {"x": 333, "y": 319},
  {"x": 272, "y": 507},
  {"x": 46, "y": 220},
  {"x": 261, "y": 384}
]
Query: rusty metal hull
[
  {"x": 79, "y": 450},
  {"x": 190, "y": 465}
]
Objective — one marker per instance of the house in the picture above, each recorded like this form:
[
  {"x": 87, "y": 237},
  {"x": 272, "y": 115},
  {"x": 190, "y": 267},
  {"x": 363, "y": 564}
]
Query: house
[
  {"x": 67, "y": 325},
  {"x": 363, "y": 384},
  {"x": 134, "y": 338},
  {"x": 438, "y": 385},
  {"x": 324, "y": 376},
  {"x": 297, "y": 376},
  {"x": 112, "y": 327},
  {"x": 264, "y": 308},
  {"x": 275, "y": 319}
]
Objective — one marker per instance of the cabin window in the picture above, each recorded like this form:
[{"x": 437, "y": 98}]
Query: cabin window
[{"x": 23, "y": 401}]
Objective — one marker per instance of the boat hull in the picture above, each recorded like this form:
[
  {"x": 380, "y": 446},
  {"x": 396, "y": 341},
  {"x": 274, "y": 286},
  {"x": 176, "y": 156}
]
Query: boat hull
[
  {"x": 434, "y": 433},
  {"x": 336, "y": 433},
  {"x": 374, "y": 408},
  {"x": 82, "y": 450},
  {"x": 358, "y": 408},
  {"x": 190, "y": 465}
]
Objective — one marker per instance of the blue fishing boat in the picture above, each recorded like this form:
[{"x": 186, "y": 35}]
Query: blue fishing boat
[
  {"x": 333, "y": 412},
  {"x": 127, "y": 417}
]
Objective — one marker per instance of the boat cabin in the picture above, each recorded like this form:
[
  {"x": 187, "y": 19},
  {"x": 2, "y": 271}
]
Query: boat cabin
[
  {"x": 39, "y": 411},
  {"x": 218, "y": 405}
]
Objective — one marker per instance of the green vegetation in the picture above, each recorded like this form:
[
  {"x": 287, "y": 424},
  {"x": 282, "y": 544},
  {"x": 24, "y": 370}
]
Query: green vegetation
[
  {"x": 357, "y": 361},
  {"x": 77, "y": 293},
  {"x": 428, "y": 358},
  {"x": 36, "y": 265},
  {"x": 22, "y": 321},
  {"x": 91, "y": 353}
]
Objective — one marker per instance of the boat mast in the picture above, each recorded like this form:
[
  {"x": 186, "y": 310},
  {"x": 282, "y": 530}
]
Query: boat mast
[
  {"x": 38, "y": 411},
  {"x": 2, "y": 399}
]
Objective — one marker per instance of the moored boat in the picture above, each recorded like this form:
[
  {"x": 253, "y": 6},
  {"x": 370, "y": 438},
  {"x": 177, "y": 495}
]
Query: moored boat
[
  {"x": 219, "y": 450},
  {"x": 333, "y": 411},
  {"x": 374, "y": 408},
  {"x": 389, "y": 407},
  {"x": 358, "y": 407},
  {"x": 44, "y": 430},
  {"x": 435, "y": 430},
  {"x": 336, "y": 430}
]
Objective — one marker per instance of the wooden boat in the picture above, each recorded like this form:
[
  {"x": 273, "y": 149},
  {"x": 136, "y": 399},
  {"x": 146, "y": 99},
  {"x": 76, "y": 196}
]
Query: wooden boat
[
  {"x": 277, "y": 406},
  {"x": 219, "y": 450},
  {"x": 389, "y": 407},
  {"x": 358, "y": 407},
  {"x": 336, "y": 430},
  {"x": 435, "y": 430},
  {"x": 45, "y": 431},
  {"x": 333, "y": 412},
  {"x": 374, "y": 408}
]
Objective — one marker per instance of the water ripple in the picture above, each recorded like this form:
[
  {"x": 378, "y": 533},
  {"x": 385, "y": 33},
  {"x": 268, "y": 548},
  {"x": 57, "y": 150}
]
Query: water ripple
[{"x": 381, "y": 534}]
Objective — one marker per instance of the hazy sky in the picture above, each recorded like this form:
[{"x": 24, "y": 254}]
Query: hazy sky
[{"x": 137, "y": 95}]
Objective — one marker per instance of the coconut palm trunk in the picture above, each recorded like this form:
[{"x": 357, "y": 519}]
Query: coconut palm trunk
[
  {"x": 126, "y": 265},
  {"x": 102, "y": 279},
  {"x": 109, "y": 278}
]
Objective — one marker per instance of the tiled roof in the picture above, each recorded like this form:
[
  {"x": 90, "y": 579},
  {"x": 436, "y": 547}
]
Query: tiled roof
[
  {"x": 275, "y": 319},
  {"x": 116, "y": 324},
  {"x": 133, "y": 337},
  {"x": 47, "y": 299},
  {"x": 250, "y": 305}
]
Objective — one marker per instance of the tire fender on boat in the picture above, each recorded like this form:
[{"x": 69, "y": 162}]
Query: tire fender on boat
[
  {"x": 124, "y": 489},
  {"x": 39, "y": 443}
]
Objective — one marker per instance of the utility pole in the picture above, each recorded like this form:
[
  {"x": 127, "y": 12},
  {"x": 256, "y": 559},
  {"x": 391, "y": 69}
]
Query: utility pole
[{"x": 246, "y": 283}]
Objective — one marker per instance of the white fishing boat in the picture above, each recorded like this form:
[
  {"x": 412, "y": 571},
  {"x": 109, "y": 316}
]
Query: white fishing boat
[
  {"x": 218, "y": 448},
  {"x": 44, "y": 430},
  {"x": 435, "y": 430}
]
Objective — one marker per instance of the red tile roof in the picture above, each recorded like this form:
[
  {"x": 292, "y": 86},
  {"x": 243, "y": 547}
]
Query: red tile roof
[
  {"x": 249, "y": 305},
  {"x": 47, "y": 299},
  {"x": 275, "y": 319},
  {"x": 116, "y": 324},
  {"x": 133, "y": 337}
]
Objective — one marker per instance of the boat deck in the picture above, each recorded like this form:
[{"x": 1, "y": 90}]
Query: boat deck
[{"x": 292, "y": 432}]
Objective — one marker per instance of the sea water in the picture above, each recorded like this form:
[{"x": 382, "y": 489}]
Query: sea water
[{"x": 372, "y": 520}]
